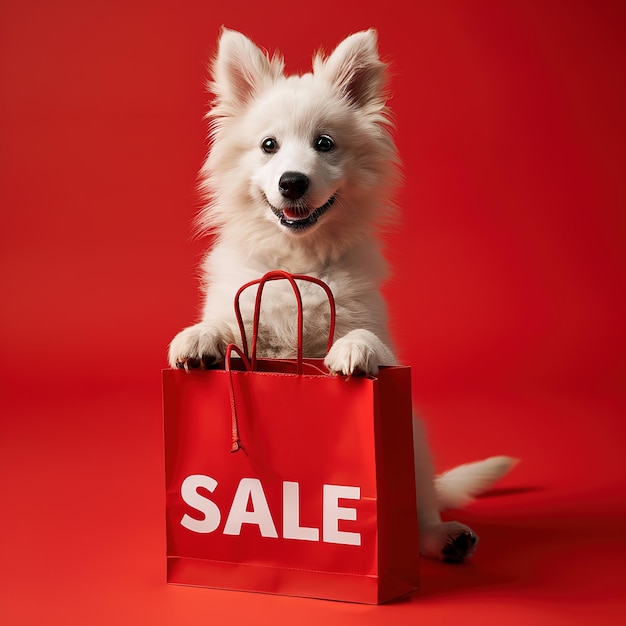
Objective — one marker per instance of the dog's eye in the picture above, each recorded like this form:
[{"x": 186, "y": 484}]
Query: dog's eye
[
  {"x": 324, "y": 143},
  {"x": 269, "y": 145}
]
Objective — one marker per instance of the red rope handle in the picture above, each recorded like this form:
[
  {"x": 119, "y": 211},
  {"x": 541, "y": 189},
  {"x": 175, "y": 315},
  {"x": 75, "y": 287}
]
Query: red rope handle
[
  {"x": 250, "y": 364},
  {"x": 234, "y": 429},
  {"x": 292, "y": 278}
]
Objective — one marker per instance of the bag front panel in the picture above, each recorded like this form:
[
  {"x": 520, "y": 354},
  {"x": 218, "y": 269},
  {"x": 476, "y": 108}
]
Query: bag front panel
[{"x": 301, "y": 494}]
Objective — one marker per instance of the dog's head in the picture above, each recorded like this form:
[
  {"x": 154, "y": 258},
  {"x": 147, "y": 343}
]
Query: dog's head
[{"x": 306, "y": 159}]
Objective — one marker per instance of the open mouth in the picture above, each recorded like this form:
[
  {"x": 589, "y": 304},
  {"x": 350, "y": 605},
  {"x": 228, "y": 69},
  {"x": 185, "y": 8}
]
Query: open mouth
[{"x": 290, "y": 218}]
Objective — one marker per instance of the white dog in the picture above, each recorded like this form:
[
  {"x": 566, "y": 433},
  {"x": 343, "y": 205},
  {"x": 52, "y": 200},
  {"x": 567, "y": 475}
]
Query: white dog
[{"x": 298, "y": 178}]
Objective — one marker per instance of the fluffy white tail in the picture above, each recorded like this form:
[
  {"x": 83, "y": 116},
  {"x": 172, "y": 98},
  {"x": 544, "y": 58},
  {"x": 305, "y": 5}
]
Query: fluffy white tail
[{"x": 460, "y": 485}]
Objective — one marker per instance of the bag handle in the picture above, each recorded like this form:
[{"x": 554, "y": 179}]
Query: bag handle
[
  {"x": 234, "y": 425},
  {"x": 291, "y": 278},
  {"x": 250, "y": 363}
]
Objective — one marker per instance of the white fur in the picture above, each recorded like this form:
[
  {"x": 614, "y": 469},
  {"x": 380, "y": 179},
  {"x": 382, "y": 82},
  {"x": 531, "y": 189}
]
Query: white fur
[
  {"x": 342, "y": 99},
  {"x": 459, "y": 486}
]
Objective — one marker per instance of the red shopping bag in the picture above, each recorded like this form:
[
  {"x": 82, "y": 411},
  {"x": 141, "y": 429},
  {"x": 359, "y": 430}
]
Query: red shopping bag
[{"x": 319, "y": 499}]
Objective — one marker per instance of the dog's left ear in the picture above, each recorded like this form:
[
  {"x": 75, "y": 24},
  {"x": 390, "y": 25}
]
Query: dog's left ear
[{"x": 356, "y": 69}]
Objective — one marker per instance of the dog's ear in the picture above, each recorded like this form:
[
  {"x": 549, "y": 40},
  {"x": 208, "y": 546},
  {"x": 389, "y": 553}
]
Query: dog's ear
[
  {"x": 356, "y": 69},
  {"x": 240, "y": 70}
]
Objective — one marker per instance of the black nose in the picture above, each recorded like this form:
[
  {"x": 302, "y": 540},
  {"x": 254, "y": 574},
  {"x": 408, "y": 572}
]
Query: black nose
[{"x": 293, "y": 185}]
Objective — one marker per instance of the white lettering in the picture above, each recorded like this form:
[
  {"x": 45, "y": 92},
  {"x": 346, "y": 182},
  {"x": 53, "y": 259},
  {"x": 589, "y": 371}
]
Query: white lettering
[
  {"x": 291, "y": 515},
  {"x": 250, "y": 506},
  {"x": 333, "y": 513},
  {"x": 189, "y": 493},
  {"x": 250, "y": 489}
]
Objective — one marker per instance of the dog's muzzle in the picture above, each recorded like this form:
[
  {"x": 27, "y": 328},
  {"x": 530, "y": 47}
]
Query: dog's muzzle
[{"x": 294, "y": 222}]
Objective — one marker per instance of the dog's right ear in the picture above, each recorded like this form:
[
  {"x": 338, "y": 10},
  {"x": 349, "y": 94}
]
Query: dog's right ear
[{"x": 239, "y": 71}]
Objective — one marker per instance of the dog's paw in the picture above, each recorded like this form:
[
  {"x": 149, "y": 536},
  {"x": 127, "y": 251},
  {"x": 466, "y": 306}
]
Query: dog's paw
[
  {"x": 448, "y": 541},
  {"x": 358, "y": 352},
  {"x": 199, "y": 346}
]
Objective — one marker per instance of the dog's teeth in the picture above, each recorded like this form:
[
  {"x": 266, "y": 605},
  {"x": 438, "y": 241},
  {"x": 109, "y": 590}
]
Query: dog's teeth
[{"x": 296, "y": 223}]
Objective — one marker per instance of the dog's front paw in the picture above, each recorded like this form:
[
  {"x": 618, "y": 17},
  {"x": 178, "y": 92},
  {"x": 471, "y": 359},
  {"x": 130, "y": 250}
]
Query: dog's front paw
[
  {"x": 358, "y": 352},
  {"x": 199, "y": 346},
  {"x": 451, "y": 542}
]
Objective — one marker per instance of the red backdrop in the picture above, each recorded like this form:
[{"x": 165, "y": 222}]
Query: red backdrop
[{"x": 508, "y": 290}]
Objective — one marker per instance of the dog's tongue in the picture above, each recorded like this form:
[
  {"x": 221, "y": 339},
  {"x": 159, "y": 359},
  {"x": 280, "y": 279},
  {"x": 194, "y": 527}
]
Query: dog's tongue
[{"x": 295, "y": 214}]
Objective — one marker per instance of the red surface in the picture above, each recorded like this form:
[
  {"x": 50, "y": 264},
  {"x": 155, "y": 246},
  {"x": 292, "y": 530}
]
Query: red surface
[{"x": 508, "y": 298}]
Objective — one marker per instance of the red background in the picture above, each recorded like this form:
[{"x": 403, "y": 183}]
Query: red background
[{"x": 507, "y": 299}]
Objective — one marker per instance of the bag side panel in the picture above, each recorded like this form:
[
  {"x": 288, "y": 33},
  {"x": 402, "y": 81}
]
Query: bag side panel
[{"x": 397, "y": 510}]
